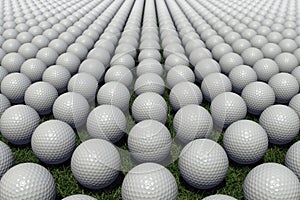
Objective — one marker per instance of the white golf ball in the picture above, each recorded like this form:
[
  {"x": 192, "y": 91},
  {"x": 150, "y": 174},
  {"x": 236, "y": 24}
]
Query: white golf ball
[
  {"x": 245, "y": 142},
  {"x": 271, "y": 50},
  {"x": 18, "y": 123},
  {"x": 292, "y": 158},
  {"x": 240, "y": 76},
  {"x": 286, "y": 62},
  {"x": 79, "y": 197},
  {"x": 281, "y": 124},
  {"x": 28, "y": 50},
  {"x": 149, "y": 66},
  {"x": 93, "y": 67},
  {"x": 101, "y": 170},
  {"x": 78, "y": 49},
  {"x": 251, "y": 55},
  {"x": 192, "y": 122},
  {"x": 69, "y": 61},
  {"x": 106, "y": 122},
  {"x": 41, "y": 96},
  {"x": 6, "y": 157},
  {"x": 205, "y": 67},
  {"x": 12, "y": 62},
  {"x": 120, "y": 74},
  {"x": 215, "y": 84},
  {"x": 33, "y": 68},
  {"x": 285, "y": 86},
  {"x": 183, "y": 94},
  {"x": 27, "y": 181},
  {"x": 219, "y": 197},
  {"x": 149, "y": 82},
  {"x": 265, "y": 68},
  {"x": 71, "y": 108},
  {"x": 149, "y": 105},
  {"x": 4, "y": 104},
  {"x": 149, "y": 141},
  {"x": 229, "y": 61},
  {"x": 101, "y": 55},
  {"x": 114, "y": 93},
  {"x": 227, "y": 108},
  {"x": 3, "y": 73},
  {"x": 58, "y": 76},
  {"x": 271, "y": 181},
  {"x": 179, "y": 73},
  {"x": 53, "y": 142},
  {"x": 198, "y": 54},
  {"x": 203, "y": 163},
  {"x": 123, "y": 59},
  {"x": 47, "y": 55},
  {"x": 149, "y": 181},
  {"x": 84, "y": 84},
  {"x": 258, "y": 96}
]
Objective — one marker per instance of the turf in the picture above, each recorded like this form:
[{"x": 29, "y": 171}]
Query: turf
[{"x": 67, "y": 185}]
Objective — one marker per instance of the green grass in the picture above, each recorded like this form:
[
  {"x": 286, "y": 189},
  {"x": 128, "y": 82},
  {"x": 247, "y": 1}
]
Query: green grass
[{"x": 232, "y": 185}]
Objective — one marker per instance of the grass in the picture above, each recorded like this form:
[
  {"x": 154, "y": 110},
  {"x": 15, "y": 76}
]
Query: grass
[{"x": 232, "y": 185}]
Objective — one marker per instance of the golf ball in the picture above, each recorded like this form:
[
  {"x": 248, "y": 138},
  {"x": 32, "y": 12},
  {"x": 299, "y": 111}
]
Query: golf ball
[
  {"x": 95, "y": 163},
  {"x": 203, "y": 163},
  {"x": 149, "y": 181},
  {"x": 53, "y": 141}
]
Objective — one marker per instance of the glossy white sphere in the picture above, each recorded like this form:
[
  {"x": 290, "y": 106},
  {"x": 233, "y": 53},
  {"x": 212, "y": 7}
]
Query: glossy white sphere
[
  {"x": 99, "y": 172},
  {"x": 149, "y": 181},
  {"x": 106, "y": 122},
  {"x": 203, "y": 163},
  {"x": 71, "y": 108},
  {"x": 32, "y": 181},
  {"x": 271, "y": 181},
  {"x": 245, "y": 142},
  {"x": 53, "y": 142},
  {"x": 281, "y": 124},
  {"x": 149, "y": 141}
]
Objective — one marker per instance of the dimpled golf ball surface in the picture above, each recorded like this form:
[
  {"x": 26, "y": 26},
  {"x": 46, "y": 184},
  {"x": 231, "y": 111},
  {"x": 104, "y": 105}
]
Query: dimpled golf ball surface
[
  {"x": 245, "y": 141},
  {"x": 114, "y": 93},
  {"x": 14, "y": 85},
  {"x": 79, "y": 197},
  {"x": 292, "y": 158},
  {"x": 4, "y": 104},
  {"x": 258, "y": 96},
  {"x": 271, "y": 181},
  {"x": 41, "y": 96},
  {"x": 149, "y": 82},
  {"x": 53, "y": 142},
  {"x": 27, "y": 181},
  {"x": 72, "y": 108},
  {"x": 192, "y": 122},
  {"x": 215, "y": 84},
  {"x": 149, "y": 105},
  {"x": 106, "y": 122},
  {"x": 18, "y": 123},
  {"x": 203, "y": 163},
  {"x": 240, "y": 76},
  {"x": 149, "y": 141},
  {"x": 6, "y": 158},
  {"x": 227, "y": 108},
  {"x": 84, "y": 84},
  {"x": 58, "y": 76},
  {"x": 95, "y": 163},
  {"x": 185, "y": 93},
  {"x": 219, "y": 197},
  {"x": 149, "y": 181},
  {"x": 285, "y": 87},
  {"x": 281, "y": 123}
]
